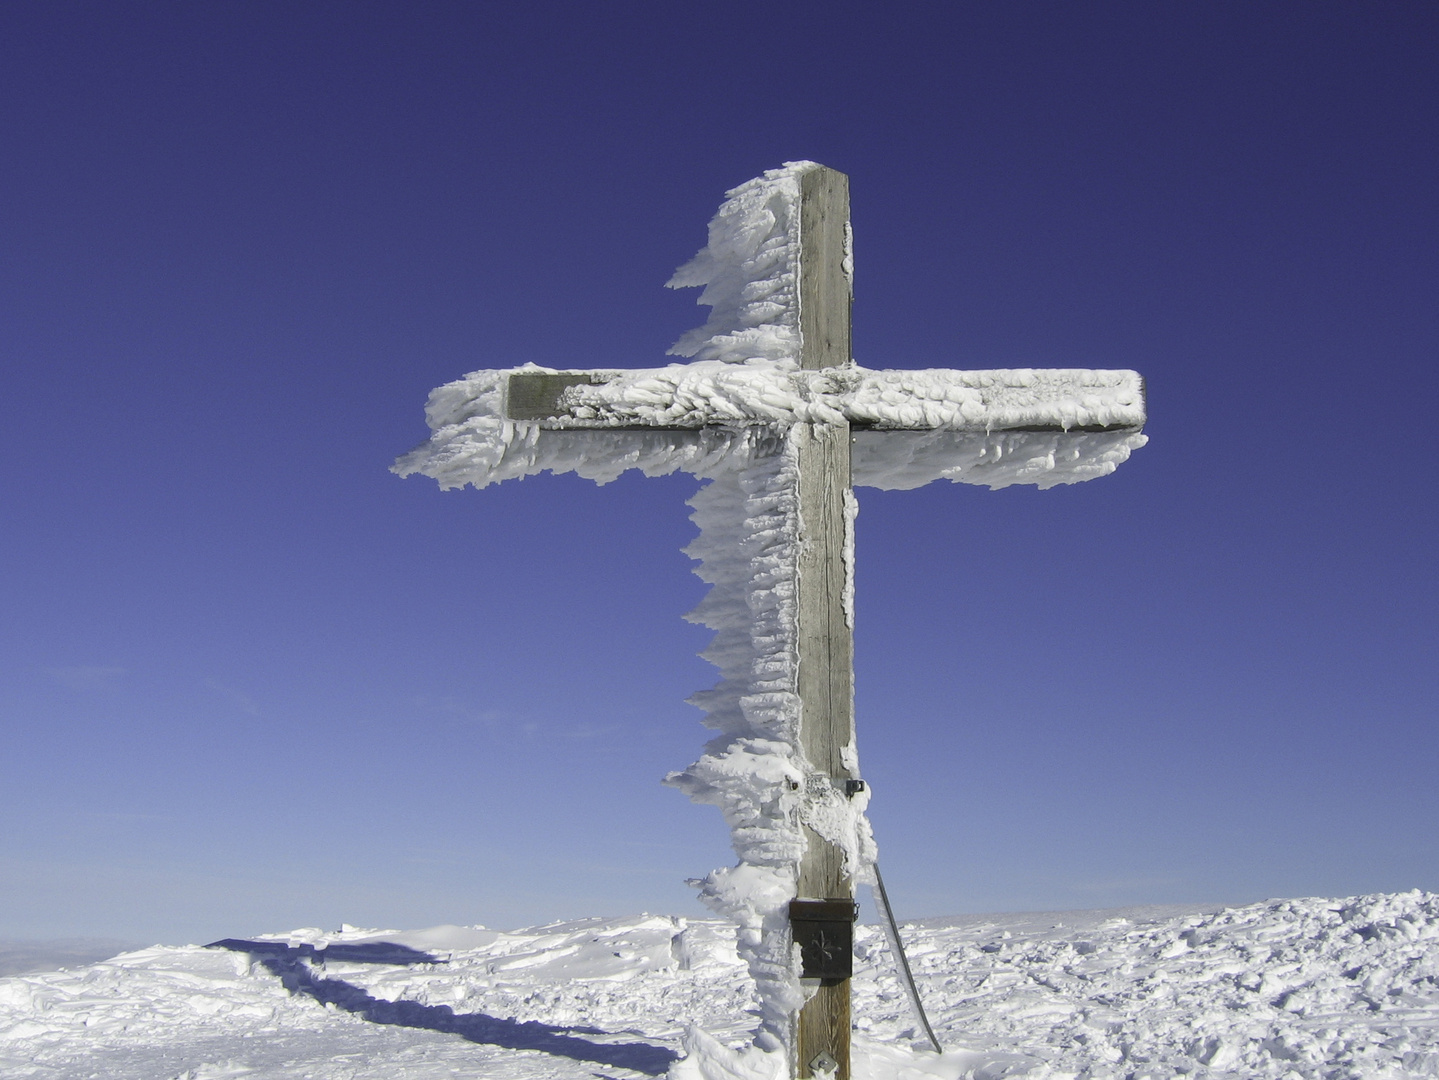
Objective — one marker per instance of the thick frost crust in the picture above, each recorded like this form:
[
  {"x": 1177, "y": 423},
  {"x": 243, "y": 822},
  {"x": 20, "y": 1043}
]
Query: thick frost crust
[
  {"x": 912, "y": 427},
  {"x": 706, "y": 393},
  {"x": 754, "y": 772},
  {"x": 748, "y": 273}
]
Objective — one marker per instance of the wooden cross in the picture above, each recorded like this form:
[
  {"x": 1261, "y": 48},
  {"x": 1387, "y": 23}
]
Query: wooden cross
[{"x": 985, "y": 427}]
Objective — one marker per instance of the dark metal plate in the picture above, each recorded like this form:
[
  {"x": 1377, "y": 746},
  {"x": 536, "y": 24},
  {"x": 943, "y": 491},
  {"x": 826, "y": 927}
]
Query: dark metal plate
[{"x": 824, "y": 932}]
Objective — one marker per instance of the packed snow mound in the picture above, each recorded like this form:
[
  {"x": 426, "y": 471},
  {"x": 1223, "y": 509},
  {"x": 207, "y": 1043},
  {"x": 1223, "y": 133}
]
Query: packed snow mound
[{"x": 1288, "y": 990}]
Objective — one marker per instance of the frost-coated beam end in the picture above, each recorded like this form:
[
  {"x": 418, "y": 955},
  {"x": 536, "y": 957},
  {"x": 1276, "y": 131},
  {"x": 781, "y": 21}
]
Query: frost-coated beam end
[{"x": 535, "y": 395}]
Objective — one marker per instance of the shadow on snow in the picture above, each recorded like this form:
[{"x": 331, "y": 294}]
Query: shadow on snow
[{"x": 292, "y": 966}]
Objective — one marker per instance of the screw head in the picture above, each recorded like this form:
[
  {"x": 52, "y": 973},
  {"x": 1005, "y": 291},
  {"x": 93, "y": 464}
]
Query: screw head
[{"x": 823, "y": 1063}]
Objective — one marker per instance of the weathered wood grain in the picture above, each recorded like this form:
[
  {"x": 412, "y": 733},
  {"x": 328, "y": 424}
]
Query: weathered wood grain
[
  {"x": 535, "y": 395},
  {"x": 825, "y": 295},
  {"x": 825, "y": 638}
]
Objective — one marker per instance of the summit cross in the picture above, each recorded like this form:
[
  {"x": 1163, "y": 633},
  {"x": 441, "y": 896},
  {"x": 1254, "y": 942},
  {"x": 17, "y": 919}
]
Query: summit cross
[{"x": 775, "y": 413}]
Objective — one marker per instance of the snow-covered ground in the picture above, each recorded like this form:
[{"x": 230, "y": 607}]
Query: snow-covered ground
[{"x": 1286, "y": 989}]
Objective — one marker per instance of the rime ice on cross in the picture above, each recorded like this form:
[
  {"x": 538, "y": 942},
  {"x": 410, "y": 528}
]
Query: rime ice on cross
[{"x": 775, "y": 414}]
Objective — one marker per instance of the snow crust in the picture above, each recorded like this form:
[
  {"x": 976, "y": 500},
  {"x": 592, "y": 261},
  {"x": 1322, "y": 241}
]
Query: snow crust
[
  {"x": 729, "y": 418},
  {"x": 1311, "y": 989}
]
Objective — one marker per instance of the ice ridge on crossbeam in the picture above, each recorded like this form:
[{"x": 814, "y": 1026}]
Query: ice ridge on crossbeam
[{"x": 726, "y": 418}]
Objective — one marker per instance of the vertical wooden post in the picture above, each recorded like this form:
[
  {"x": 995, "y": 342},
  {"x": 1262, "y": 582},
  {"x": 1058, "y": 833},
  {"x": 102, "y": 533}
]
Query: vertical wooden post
[{"x": 825, "y": 639}]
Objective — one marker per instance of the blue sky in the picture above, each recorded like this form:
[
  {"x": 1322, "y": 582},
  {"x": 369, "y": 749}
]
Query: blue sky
[{"x": 250, "y": 680}]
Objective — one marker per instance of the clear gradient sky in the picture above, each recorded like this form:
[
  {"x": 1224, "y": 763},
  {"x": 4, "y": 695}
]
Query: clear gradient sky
[{"x": 250, "y": 680}]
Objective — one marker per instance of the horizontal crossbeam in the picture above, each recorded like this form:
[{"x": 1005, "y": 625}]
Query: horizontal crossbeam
[{"x": 690, "y": 396}]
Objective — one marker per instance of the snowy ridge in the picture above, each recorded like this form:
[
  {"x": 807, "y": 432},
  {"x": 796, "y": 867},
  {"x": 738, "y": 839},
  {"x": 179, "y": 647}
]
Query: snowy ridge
[{"x": 1308, "y": 989}]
